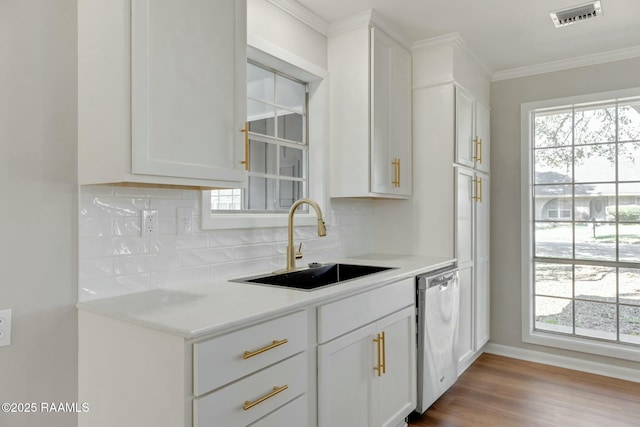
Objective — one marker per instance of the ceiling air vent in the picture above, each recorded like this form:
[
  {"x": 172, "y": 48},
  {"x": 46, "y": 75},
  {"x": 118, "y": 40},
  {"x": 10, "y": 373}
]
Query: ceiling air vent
[{"x": 575, "y": 14}]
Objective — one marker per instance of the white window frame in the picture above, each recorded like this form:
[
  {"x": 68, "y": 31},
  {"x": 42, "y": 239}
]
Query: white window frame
[
  {"x": 269, "y": 55},
  {"x": 529, "y": 335}
]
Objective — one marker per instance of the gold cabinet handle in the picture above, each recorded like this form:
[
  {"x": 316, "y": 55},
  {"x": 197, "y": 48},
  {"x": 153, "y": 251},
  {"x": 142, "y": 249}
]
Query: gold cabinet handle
[
  {"x": 274, "y": 344},
  {"x": 480, "y": 194},
  {"x": 384, "y": 354},
  {"x": 245, "y": 162},
  {"x": 394, "y": 182},
  {"x": 378, "y": 341},
  {"x": 476, "y": 141},
  {"x": 398, "y": 178},
  {"x": 475, "y": 190},
  {"x": 248, "y": 404},
  {"x": 480, "y": 150}
]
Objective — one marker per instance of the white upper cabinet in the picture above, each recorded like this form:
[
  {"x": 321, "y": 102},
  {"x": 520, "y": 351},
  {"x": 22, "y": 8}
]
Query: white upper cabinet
[
  {"x": 370, "y": 114},
  {"x": 162, "y": 92},
  {"x": 472, "y": 132}
]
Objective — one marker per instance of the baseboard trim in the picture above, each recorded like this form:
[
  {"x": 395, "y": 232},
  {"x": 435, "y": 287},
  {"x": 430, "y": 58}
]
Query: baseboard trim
[{"x": 591, "y": 367}]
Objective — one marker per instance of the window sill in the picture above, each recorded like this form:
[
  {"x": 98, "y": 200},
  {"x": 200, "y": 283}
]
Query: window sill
[{"x": 589, "y": 346}]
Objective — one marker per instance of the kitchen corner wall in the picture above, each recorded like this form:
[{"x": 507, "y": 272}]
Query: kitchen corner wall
[{"x": 115, "y": 260}]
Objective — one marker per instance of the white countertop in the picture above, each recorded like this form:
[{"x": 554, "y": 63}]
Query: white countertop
[{"x": 197, "y": 309}]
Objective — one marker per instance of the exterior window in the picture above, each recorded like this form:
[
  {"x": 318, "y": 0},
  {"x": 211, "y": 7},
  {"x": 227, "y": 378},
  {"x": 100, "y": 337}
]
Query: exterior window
[
  {"x": 584, "y": 221},
  {"x": 278, "y": 145}
]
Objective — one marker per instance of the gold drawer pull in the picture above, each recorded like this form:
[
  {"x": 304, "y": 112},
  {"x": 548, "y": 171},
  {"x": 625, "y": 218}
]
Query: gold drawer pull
[
  {"x": 384, "y": 354},
  {"x": 245, "y": 162},
  {"x": 274, "y": 344},
  {"x": 378, "y": 340},
  {"x": 248, "y": 404}
]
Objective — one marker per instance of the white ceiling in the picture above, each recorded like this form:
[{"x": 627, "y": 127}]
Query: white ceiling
[{"x": 507, "y": 34}]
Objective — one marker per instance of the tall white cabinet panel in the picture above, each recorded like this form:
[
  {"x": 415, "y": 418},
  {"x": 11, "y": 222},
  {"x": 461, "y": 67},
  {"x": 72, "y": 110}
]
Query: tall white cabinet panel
[
  {"x": 465, "y": 128},
  {"x": 482, "y": 316},
  {"x": 370, "y": 115},
  {"x": 483, "y": 125},
  {"x": 161, "y": 92},
  {"x": 464, "y": 344}
]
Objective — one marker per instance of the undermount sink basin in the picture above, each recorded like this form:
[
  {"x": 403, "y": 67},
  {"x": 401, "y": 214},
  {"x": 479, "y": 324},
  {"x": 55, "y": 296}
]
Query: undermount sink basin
[{"x": 313, "y": 278}]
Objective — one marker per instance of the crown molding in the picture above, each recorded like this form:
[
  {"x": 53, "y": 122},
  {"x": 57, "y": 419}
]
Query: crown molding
[
  {"x": 303, "y": 14},
  {"x": 457, "y": 40},
  {"x": 368, "y": 17},
  {"x": 566, "y": 64}
]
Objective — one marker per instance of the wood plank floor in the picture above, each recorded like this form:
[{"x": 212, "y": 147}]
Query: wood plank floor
[{"x": 498, "y": 391}]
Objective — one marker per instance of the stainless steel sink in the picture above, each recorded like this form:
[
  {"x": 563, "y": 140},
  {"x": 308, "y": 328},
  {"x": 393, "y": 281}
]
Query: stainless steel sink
[{"x": 313, "y": 278}]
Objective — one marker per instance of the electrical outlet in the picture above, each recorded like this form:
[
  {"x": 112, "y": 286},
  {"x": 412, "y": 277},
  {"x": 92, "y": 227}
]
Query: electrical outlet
[
  {"x": 5, "y": 327},
  {"x": 149, "y": 226},
  {"x": 184, "y": 218}
]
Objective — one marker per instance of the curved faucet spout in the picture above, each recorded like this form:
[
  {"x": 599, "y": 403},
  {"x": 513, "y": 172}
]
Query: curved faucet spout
[{"x": 322, "y": 230}]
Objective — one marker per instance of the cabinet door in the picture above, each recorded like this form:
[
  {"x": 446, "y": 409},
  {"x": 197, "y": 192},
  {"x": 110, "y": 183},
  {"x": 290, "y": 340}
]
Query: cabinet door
[
  {"x": 401, "y": 120},
  {"x": 464, "y": 339},
  {"x": 345, "y": 369},
  {"x": 482, "y": 294},
  {"x": 390, "y": 116},
  {"x": 465, "y": 192},
  {"x": 483, "y": 131},
  {"x": 465, "y": 128},
  {"x": 395, "y": 390},
  {"x": 382, "y": 173},
  {"x": 188, "y": 88}
]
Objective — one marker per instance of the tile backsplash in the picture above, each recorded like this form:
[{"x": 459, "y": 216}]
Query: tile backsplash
[{"x": 115, "y": 260}]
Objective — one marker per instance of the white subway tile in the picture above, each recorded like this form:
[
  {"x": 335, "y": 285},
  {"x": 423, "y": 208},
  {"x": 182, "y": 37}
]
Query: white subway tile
[
  {"x": 231, "y": 237},
  {"x": 168, "y": 207},
  {"x": 253, "y": 251},
  {"x": 124, "y": 265},
  {"x": 127, "y": 226},
  {"x": 191, "y": 258},
  {"x": 95, "y": 227},
  {"x": 176, "y": 277},
  {"x": 112, "y": 206},
  {"x": 167, "y": 225},
  {"x": 130, "y": 245},
  {"x": 144, "y": 192},
  {"x": 95, "y": 268}
]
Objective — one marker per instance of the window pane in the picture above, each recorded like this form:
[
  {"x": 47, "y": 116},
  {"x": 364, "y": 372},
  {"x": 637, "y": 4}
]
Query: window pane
[
  {"x": 554, "y": 314},
  {"x": 227, "y": 199},
  {"x": 595, "y": 283},
  {"x": 553, "y": 165},
  {"x": 629, "y": 284},
  {"x": 629, "y": 122},
  {"x": 630, "y": 324},
  {"x": 290, "y": 94},
  {"x": 290, "y": 191},
  {"x": 260, "y": 83},
  {"x": 553, "y": 129},
  {"x": 261, "y": 194},
  {"x": 629, "y": 242},
  {"x": 592, "y": 201},
  {"x": 553, "y": 202},
  {"x": 554, "y": 240},
  {"x": 291, "y": 162},
  {"x": 596, "y": 320},
  {"x": 629, "y": 161},
  {"x": 595, "y": 163},
  {"x": 290, "y": 126},
  {"x": 261, "y": 118},
  {"x": 595, "y": 241},
  {"x": 595, "y": 124},
  {"x": 262, "y": 157},
  {"x": 554, "y": 280},
  {"x": 628, "y": 203}
]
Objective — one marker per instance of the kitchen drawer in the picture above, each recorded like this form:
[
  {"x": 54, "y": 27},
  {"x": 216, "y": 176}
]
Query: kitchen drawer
[
  {"x": 221, "y": 360},
  {"x": 292, "y": 414},
  {"x": 226, "y": 407},
  {"x": 339, "y": 317}
]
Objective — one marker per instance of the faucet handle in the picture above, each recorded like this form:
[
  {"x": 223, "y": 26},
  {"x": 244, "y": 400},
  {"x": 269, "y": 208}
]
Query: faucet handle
[{"x": 299, "y": 252}]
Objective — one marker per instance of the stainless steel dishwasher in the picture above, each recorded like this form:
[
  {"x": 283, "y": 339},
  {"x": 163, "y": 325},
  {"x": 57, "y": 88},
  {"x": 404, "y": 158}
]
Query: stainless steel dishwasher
[{"x": 438, "y": 302}]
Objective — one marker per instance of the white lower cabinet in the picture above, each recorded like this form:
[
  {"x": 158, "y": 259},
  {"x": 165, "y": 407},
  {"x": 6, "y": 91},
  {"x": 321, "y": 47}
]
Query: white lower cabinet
[
  {"x": 367, "y": 377},
  {"x": 245, "y": 401}
]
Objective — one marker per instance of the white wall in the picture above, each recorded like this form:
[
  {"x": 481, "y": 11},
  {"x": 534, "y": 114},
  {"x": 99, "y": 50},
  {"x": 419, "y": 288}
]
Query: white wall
[
  {"x": 38, "y": 216},
  {"x": 506, "y": 97}
]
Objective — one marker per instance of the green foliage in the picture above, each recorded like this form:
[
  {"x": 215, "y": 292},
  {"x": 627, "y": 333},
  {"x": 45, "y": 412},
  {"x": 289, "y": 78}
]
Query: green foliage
[{"x": 625, "y": 212}]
